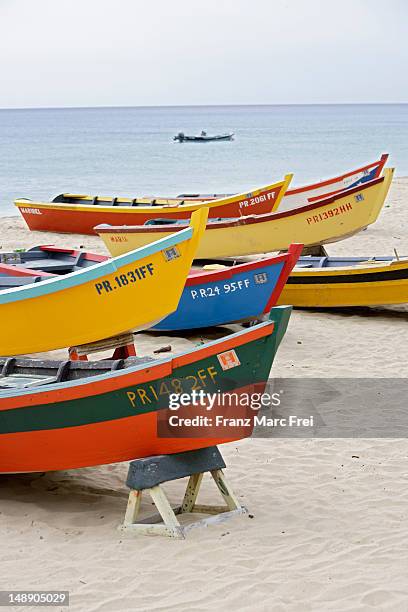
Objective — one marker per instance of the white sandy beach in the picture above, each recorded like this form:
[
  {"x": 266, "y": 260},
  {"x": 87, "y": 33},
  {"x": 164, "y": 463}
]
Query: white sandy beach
[{"x": 328, "y": 531}]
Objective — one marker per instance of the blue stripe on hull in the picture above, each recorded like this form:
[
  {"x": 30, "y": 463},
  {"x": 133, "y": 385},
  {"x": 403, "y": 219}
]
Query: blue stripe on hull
[
  {"x": 243, "y": 296},
  {"x": 363, "y": 179}
]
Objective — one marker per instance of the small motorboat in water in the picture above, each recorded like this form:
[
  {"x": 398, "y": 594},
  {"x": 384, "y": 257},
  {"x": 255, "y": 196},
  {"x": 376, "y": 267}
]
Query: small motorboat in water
[{"x": 203, "y": 137}]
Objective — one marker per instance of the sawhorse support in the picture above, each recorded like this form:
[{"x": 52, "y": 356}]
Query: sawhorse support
[
  {"x": 148, "y": 474},
  {"x": 123, "y": 347}
]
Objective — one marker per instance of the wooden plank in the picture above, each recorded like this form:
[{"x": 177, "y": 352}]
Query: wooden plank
[
  {"x": 152, "y": 471},
  {"x": 163, "y": 506},
  {"x": 133, "y": 507},
  {"x": 105, "y": 344},
  {"x": 206, "y": 509},
  {"x": 191, "y": 493},
  {"x": 225, "y": 490},
  {"x": 153, "y": 530}
]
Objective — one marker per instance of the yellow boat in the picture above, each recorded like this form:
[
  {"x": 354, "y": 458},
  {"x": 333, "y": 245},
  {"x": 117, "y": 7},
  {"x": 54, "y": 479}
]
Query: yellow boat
[
  {"x": 329, "y": 220},
  {"x": 130, "y": 292},
  {"x": 328, "y": 282}
]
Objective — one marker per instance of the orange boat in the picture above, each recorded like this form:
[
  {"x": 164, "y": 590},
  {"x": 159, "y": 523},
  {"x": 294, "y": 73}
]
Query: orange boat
[
  {"x": 79, "y": 214},
  {"x": 56, "y": 415}
]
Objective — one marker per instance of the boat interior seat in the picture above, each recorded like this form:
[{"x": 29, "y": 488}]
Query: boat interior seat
[
  {"x": 24, "y": 381},
  {"x": 308, "y": 265},
  {"x": 13, "y": 378},
  {"x": 24, "y": 373},
  {"x": 322, "y": 262},
  {"x": 8, "y": 282},
  {"x": 50, "y": 265},
  {"x": 77, "y": 260}
]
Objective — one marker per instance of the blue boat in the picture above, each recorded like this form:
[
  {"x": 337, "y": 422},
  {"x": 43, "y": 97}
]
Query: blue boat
[{"x": 222, "y": 294}]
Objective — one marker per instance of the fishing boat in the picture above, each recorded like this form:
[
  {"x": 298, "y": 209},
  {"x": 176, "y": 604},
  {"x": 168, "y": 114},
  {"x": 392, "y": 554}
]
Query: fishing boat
[
  {"x": 307, "y": 194},
  {"x": 326, "y": 282},
  {"x": 78, "y": 214},
  {"x": 328, "y": 220},
  {"x": 203, "y": 137},
  {"x": 57, "y": 415},
  {"x": 220, "y": 294},
  {"x": 129, "y": 292},
  {"x": 213, "y": 294}
]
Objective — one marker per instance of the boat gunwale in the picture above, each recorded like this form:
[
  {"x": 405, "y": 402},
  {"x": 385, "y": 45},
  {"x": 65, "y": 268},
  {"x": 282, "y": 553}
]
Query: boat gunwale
[
  {"x": 380, "y": 163},
  {"x": 229, "y": 271}
]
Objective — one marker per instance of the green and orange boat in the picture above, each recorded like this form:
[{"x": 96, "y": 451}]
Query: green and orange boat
[{"x": 57, "y": 415}]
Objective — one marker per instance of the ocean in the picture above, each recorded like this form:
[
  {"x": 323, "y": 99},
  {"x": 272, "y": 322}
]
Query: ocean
[{"x": 130, "y": 151}]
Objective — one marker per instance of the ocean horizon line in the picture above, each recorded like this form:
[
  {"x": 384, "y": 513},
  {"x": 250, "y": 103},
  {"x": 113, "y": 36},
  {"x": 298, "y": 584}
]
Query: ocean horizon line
[{"x": 157, "y": 106}]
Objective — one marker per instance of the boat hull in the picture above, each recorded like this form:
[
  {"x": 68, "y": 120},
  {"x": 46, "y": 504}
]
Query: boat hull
[
  {"x": 369, "y": 285},
  {"x": 204, "y": 138},
  {"x": 116, "y": 417},
  {"x": 324, "y": 222},
  {"x": 83, "y": 216},
  {"x": 83, "y": 306},
  {"x": 235, "y": 294}
]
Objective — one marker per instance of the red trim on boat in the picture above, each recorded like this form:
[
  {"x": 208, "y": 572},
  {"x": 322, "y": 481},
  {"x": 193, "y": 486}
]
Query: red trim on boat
[
  {"x": 294, "y": 252},
  {"x": 199, "y": 276},
  {"x": 75, "y": 252}
]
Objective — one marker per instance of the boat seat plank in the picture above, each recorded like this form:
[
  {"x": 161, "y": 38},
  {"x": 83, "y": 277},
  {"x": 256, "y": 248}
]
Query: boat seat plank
[
  {"x": 53, "y": 265},
  {"x": 8, "y": 282},
  {"x": 22, "y": 373},
  {"x": 24, "y": 381}
]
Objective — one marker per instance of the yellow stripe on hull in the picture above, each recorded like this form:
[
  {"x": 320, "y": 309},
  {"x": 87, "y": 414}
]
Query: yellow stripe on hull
[
  {"x": 342, "y": 216},
  {"x": 347, "y": 293}
]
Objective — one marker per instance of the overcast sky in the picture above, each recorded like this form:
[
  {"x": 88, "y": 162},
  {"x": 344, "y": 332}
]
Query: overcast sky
[{"x": 166, "y": 52}]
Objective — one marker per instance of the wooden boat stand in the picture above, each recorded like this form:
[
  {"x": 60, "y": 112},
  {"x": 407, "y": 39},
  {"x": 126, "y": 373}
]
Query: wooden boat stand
[
  {"x": 148, "y": 474},
  {"x": 123, "y": 347}
]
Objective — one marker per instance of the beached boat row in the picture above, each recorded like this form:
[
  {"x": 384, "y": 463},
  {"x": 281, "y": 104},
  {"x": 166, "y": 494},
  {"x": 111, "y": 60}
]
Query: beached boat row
[
  {"x": 80, "y": 214},
  {"x": 177, "y": 264}
]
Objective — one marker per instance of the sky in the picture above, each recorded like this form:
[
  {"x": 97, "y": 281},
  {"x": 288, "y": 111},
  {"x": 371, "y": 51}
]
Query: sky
[{"x": 178, "y": 52}]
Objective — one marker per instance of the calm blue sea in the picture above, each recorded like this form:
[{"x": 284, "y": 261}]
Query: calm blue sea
[{"x": 129, "y": 151}]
